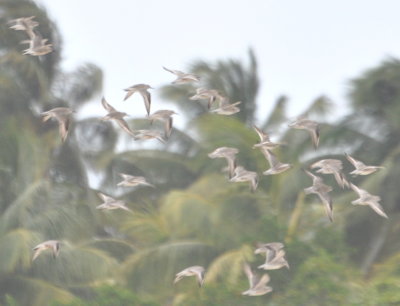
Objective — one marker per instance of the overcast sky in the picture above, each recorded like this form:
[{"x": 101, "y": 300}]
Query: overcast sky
[{"x": 304, "y": 48}]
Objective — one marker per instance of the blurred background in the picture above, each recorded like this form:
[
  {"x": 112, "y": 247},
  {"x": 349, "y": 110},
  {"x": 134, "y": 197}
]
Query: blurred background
[{"x": 334, "y": 63}]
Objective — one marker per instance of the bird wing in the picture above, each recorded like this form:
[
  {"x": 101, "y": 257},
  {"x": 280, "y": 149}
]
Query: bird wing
[
  {"x": 250, "y": 275},
  {"x": 147, "y": 100},
  {"x": 262, "y": 282},
  {"x": 272, "y": 160},
  {"x": 105, "y": 198},
  {"x": 124, "y": 125},
  {"x": 63, "y": 126},
  {"x": 377, "y": 208},
  {"x": 107, "y": 106}
]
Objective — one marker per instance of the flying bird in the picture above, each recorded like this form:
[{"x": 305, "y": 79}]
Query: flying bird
[
  {"x": 365, "y": 198},
  {"x": 206, "y": 94},
  {"x": 131, "y": 181},
  {"x": 117, "y": 116},
  {"x": 229, "y": 154},
  {"x": 258, "y": 285},
  {"x": 111, "y": 203},
  {"x": 360, "y": 167},
  {"x": 276, "y": 166},
  {"x": 197, "y": 271},
  {"x": 225, "y": 108},
  {"x": 319, "y": 188},
  {"x": 274, "y": 256},
  {"x": 183, "y": 77},
  {"x": 26, "y": 24},
  {"x": 62, "y": 115},
  {"x": 53, "y": 245},
  {"x": 311, "y": 126},
  {"x": 264, "y": 140},
  {"x": 142, "y": 89},
  {"x": 164, "y": 115},
  {"x": 242, "y": 175},
  {"x": 148, "y": 134},
  {"x": 332, "y": 166},
  {"x": 37, "y": 45}
]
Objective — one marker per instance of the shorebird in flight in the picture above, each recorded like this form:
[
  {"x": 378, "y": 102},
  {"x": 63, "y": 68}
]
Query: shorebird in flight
[
  {"x": 206, "y": 94},
  {"x": 131, "y": 181},
  {"x": 319, "y": 188},
  {"x": 276, "y": 166},
  {"x": 197, "y": 271},
  {"x": 332, "y": 166},
  {"x": 148, "y": 134},
  {"x": 117, "y": 116},
  {"x": 265, "y": 141},
  {"x": 63, "y": 116},
  {"x": 311, "y": 126},
  {"x": 360, "y": 167},
  {"x": 182, "y": 77},
  {"x": 242, "y": 175},
  {"x": 143, "y": 90},
  {"x": 229, "y": 154},
  {"x": 111, "y": 203},
  {"x": 258, "y": 285},
  {"x": 365, "y": 198},
  {"x": 164, "y": 115},
  {"x": 53, "y": 245}
]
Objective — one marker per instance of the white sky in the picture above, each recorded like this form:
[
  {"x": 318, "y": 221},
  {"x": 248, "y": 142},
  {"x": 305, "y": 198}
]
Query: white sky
[{"x": 304, "y": 48}]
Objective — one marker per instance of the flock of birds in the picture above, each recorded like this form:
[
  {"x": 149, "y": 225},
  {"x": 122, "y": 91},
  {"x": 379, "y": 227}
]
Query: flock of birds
[{"x": 274, "y": 253}]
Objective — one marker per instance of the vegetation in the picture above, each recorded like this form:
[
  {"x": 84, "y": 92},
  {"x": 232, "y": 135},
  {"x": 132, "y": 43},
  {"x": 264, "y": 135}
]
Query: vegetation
[{"x": 194, "y": 216}]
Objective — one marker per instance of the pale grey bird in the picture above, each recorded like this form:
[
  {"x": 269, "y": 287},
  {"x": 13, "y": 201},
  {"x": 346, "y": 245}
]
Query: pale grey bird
[
  {"x": 111, "y": 203},
  {"x": 365, "y": 198},
  {"x": 332, "y": 166},
  {"x": 164, "y": 115},
  {"x": 361, "y": 168},
  {"x": 63, "y": 116},
  {"x": 197, "y": 271},
  {"x": 148, "y": 134},
  {"x": 53, "y": 245},
  {"x": 225, "y": 108},
  {"x": 273, "y": 246},
  {"x": 26, "y": 24},
  {"x": 274, "y": 260},
  {"x": 143, "y": 90},
  {"x": 258, "y": 285},
  {"x": 311, "y": 126},
  {"x": 264, "y": 140},
  {"x": 37, "y": 45},
  {"x": 229, "y": 154},
  {"x": 319, "y": 188},
  {"x": 206, "y": 94},
  {"x": 117, "y": 116},
  {"x": 131, "y": 181},
  {"x": 182, "y": 77},
  {"x": 242, "y": 175},
  {"x": 276, "y": 166}
]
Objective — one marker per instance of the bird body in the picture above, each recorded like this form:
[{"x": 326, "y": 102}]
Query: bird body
[
  {"x": 142, "y": 89},
  {"x": 62, "y": 115},
  {"x": 131, "y": 181},
  {"x": 242, "y": 175},
  {"x": 182, "y": 77},
  {"x": 365, "y": 198},
  {"x": 360, "y": 167},
  {"x": 322, "y": 190},
  {"x": 111, "y": 203},
  {"x": 197, "y": 271},
  {"x": 53, "y": 245},
  {"x": 229, "y": 154},
  {"x": 311, "y": 126},
  {"x": 258, "y": 285}
]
